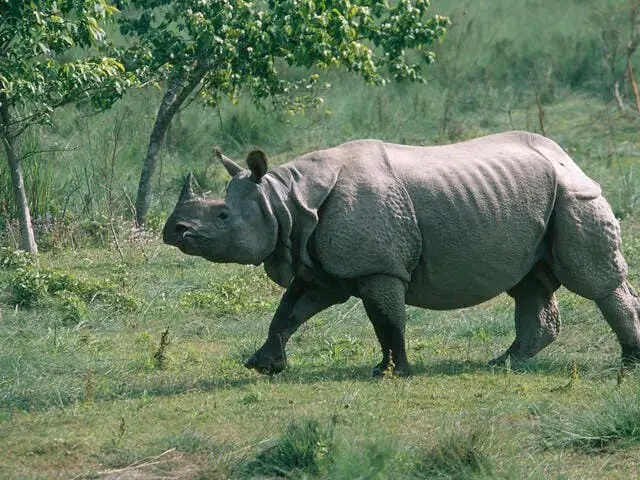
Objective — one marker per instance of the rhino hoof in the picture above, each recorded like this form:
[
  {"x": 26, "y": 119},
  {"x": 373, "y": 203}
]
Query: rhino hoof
[
  {"x": 266, "y": 368},
  {"x": 382, "y": 370},
  {"x": 499, "y": 361},
  {"x": 630, "y": 356}
]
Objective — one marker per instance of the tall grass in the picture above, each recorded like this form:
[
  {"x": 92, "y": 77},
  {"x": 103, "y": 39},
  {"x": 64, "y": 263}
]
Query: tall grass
[{"x": 613, "y": 422}]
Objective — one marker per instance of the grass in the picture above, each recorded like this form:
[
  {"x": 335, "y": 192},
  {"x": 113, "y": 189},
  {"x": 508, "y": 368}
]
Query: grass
[
  {"x": 89, "y": 398},
  {"x": 613, "y": 423}
]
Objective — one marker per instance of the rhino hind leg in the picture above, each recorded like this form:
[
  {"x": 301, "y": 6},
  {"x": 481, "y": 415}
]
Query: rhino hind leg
[
  {"x": 588, "y": 261},
  {"x": 537, "y": 317},
  {"x": 621, "y": 310},
  {"x": 383, "y": 298}
]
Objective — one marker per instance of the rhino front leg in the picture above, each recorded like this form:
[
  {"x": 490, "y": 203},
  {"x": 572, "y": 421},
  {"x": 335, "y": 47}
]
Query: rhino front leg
[
  {"x": 384, "y": 301},
  {"x": 537, "y": 317},
  {"x": 300, "y": 302}
]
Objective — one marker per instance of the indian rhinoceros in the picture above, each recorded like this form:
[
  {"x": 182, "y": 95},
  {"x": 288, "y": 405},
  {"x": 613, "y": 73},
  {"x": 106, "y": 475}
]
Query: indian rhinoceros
[{"x": 439, "y": 227}]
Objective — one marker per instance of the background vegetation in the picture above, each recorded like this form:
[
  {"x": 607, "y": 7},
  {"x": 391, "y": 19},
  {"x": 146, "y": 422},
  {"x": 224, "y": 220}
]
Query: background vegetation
[{"x": 91, "y": 386}]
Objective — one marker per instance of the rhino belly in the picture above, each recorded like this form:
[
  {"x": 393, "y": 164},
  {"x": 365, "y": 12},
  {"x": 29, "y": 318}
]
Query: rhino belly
[
  {"x": 462, "y": 290},
  {"x": 482, "y": 227}
]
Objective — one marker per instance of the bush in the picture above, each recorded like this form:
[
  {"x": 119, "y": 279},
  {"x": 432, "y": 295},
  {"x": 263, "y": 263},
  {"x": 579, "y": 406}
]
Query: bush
[{"x": 29, "y": 285}]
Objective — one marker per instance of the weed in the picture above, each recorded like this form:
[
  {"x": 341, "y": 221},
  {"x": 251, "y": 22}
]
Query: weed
[
  {"x": 372, "y": 459},
  {"x": 89, "y": 388},
  {"x": 73, "y": 308},
  {"x": 11, "y": 259},
  {"x": 615, "y": 421},
  {"x": 458, "y": 456},
  {"x": 625, "y": 199},
  {"x": 229, "y": 296},
  {"x": 302, "y": 449},
  {"x": 160, "y": 356},
  {"x": 193, "y": 441},
  {"x": 118, "y": 435},
  {"x": 27, "y": 287},
  {"x": 31, "y": 284}
]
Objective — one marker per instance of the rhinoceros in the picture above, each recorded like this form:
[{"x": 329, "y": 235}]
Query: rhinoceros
[{"x": 438, "y": 227}]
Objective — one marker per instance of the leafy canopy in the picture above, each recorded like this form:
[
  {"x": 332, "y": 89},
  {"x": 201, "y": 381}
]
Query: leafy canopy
[
  {"x": 235, "y": 44},
  {"x": 49, "y": 57}
]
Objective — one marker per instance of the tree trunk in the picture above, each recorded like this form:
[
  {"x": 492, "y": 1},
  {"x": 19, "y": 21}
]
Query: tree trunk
[
  {"x": 632, "y": 47},
  {"x": 27, "y": 238},
  {"x": 173, "y": 99}
]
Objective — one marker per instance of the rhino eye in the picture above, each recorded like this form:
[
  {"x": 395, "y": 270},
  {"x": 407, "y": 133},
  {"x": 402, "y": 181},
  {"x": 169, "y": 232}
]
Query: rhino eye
[{"x": 223, "y": 215}]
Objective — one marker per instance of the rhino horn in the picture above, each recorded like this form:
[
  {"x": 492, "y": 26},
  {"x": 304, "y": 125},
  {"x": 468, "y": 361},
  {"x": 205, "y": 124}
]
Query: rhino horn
[
  {"x": 232, "y": 167},
  {"x": 187, "y": 190}
]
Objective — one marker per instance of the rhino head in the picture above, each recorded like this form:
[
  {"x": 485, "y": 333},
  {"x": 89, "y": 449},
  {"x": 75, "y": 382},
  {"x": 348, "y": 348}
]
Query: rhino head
[{"x": 238, "y": 229}]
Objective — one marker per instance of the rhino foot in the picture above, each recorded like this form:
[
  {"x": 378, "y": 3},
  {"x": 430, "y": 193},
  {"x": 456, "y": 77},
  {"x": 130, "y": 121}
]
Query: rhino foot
[
  {"x": 515, "y": 361},
  {"x": 499, "y": 361},
  {"x": 265, "y": 364},
  {"x": 630, "y": 356},
  {"x": 382, "y": 369}
]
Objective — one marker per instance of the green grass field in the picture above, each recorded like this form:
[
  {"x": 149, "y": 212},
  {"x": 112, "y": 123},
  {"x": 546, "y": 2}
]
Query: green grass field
[{"x": 93, "y": 391}]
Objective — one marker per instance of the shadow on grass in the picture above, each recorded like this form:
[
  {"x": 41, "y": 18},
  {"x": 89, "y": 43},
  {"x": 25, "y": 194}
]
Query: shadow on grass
[
  {"x": 296, "y": 374},
  {"x": 448, "y": 367},
  {"x": 34, "y": 401}
]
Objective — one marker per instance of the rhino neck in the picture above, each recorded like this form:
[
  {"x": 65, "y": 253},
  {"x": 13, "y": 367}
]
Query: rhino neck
[{"x": 295, "y": 195}]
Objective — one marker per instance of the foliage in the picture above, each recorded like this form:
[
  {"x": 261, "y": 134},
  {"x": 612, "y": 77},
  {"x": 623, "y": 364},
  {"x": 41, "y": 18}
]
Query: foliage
[
  {"x": 232, "y": 295},
  {"x": 219, "y": 49},
  {"x": 31, "y": 284},
  {"x": 38, "y": 76},
  {"x": 12, "y": 259},
  {"x": 236, "y": 45}
]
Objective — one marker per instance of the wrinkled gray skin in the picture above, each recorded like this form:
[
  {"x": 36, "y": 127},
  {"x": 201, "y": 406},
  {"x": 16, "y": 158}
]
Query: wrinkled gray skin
[{"x": 439, "y": 227}]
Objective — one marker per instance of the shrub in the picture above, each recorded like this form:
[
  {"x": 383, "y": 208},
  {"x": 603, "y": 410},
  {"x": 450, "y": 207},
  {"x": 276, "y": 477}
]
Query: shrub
[
  {"x": 30, "y": 284},
  {"x": 27, "y": 286}
]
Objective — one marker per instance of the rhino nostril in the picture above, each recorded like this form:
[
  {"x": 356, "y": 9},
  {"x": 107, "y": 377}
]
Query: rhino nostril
[{"x": 181, "y": 230}]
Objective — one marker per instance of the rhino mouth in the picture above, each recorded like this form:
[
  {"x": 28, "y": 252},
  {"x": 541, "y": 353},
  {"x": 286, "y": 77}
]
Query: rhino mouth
[
  {"x": 184, "y": 238},
  {"x": 189, "y": 243}
]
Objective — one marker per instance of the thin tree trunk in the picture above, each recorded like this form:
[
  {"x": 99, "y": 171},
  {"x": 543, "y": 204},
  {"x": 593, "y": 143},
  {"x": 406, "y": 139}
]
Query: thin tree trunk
[
  {"x": 541, "y": 115},
  {"x": 173, "y": 99},
  {"x": 632, "y": 46},
  {"x": 616, "y": 95},
  {"x": 27, "y": 238},
  {"x": 634, "y": 86}
]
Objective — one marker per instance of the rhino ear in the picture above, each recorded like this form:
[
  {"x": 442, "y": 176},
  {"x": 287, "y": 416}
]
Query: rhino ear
[
  {"x": 257, "y": 161},
  {"x": 187, "y": 189},
  {"x": 232, "y": 167}
]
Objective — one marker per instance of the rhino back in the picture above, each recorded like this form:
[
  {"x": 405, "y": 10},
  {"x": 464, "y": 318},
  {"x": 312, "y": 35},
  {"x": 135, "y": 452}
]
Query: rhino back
[{"x": 482, "y": 207}]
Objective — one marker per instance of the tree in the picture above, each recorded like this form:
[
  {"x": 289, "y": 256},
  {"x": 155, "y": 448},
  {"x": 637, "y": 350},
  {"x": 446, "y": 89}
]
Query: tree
[
  {"x": 225, "y": 47},
  {"x": 36, "y": 76},
  {"x": 612, "y": 24}
]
